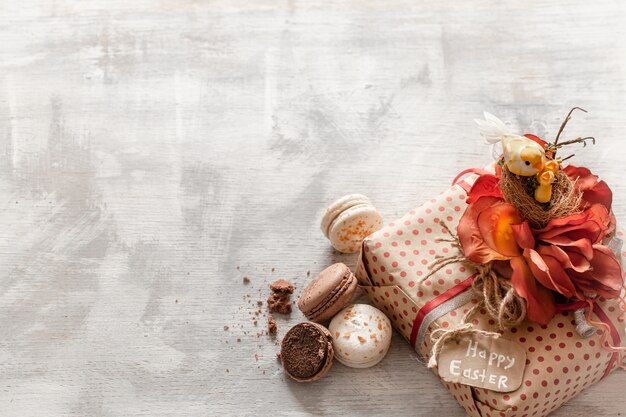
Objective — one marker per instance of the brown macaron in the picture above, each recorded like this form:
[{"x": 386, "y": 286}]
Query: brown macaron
[
  {"x": 328, "y": 293},
  {"x": 306, "y": 352}
]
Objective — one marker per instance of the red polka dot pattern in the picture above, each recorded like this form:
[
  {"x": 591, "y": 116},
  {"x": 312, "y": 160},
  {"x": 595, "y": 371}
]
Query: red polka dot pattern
[{"x": 560, "y": 363}]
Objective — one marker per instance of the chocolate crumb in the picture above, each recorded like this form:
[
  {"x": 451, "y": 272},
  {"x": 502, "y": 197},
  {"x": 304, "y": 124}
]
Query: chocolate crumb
[
  {"x": 255, "y": 322},
  {"x": 282, "y": 286},
  {"x": 227, "y": 370},
  {"x": 260, "y": 302},
  {"x": 239, "y": 339},
  {"x": 271, "y": 325},
  {"x": 226, "y": 327},
  {"x": 279, "y": 303},
  {"x": 273, "y": 269},
  {"x": 246, "y": 280}
]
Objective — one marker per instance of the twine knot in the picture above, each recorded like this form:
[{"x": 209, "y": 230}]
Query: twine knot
[{"x": 441, "y": 336}]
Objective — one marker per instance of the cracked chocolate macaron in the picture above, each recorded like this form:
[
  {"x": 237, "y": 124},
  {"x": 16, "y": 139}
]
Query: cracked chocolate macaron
[
  {"x": 306, "y": 352},
  {"x": 328, "y": 293}
]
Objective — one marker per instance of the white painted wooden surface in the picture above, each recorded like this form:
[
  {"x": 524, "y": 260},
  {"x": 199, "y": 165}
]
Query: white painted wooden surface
[{"x": 152, "y": 153}]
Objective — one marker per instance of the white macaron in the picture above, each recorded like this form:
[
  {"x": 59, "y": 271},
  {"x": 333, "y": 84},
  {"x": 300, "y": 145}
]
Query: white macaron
[
  {"x": 361, "y": 335},
  {"x": 349, "y": 220}
]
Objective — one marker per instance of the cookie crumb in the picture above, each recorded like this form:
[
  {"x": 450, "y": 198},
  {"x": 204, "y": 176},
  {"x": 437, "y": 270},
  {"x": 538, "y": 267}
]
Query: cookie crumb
[
  {"x": 260, "y": 302},
  {"x": 246, "y": 280},
  {"x": 271, "y": 325},
  {"x": 278, "y": 356},
  {"x": 226, "y": 328},
  {"x": 238, "y": 339},
  {"x": 273, "y": 269},
  {"x": 278, "y": 301},
  {"x": 282, "y": 286}
]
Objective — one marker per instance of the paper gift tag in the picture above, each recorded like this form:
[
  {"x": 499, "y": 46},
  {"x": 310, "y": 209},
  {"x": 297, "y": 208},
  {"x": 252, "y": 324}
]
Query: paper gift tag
[{"x": 482, "y": 361}]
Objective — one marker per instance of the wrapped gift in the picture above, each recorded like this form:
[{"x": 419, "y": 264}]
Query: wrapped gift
[{"x": 417, "y": 271}]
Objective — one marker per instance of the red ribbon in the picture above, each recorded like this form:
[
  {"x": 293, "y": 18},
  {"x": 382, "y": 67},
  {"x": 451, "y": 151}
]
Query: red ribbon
[{"x": 435, "y": 302}]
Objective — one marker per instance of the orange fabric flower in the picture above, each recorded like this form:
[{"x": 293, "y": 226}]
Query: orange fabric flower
[
  {"x": 594, "y": 191},
  {"x": 486, "y": 233},
  {"x": 567, "y": 256}
]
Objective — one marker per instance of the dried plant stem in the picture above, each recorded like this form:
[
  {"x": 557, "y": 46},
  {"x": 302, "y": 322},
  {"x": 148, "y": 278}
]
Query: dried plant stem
[
  {"x": 577, "y": 140},
  {"x": 567, "y": 119}
]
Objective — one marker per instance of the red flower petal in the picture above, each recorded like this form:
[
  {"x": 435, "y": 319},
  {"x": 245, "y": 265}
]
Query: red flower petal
[
  {"x": 474, "y": 246},
  {"x": 495, "y": 224},
  {"x": 594, "y": 191},
  {"x": 523, "y": 235},
  {"x": 605, "y": 277},
  {"x": 540, "y": 306},
  {"x": 568, "y": 259},
  {"x": 583, "y": 176},
  {"x": 591, "y": 224},
  {"x": 550, "y": 273},
  {"x": 582, "y": 246},
  {"x": 599, "y": 194},
  {"x": 485, "y": 186}
]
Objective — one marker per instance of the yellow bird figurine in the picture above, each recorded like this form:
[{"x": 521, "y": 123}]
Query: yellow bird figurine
[
  {"x": 522, "y": 156},
  {"x": 543, "y": 192}
]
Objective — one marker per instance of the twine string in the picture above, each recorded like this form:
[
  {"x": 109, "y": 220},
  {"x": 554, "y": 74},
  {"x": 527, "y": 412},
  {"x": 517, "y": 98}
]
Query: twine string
[{"x": 439, "y": 337}]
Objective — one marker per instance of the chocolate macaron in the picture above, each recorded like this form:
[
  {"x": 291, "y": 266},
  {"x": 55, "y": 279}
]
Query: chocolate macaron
[
  {"x": 306, "y": 352},
  {"x": 328, "y": 293}
]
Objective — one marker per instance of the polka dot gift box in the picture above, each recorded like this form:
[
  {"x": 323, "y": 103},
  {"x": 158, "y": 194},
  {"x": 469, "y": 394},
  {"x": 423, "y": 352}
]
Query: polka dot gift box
[{"x": 475, "y": 280}]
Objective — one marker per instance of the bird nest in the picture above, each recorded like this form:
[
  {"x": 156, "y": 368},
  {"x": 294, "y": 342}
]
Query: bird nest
[{"x": 520, "y": 191}]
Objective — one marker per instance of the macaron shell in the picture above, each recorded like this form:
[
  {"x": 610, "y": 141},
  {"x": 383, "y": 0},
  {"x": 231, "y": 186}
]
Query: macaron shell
[
  {"x": 351, "y": 227},
  {"x": 327, "y": 293},
  {"x": 329, "y": 356},
  {"x": 327, "y": 364},
  {"x": 361, "y": 335},
  {"x": 362, "y": 365},
  {"x": 337, "y": 300},
  {"x": 339, "y": 206}
]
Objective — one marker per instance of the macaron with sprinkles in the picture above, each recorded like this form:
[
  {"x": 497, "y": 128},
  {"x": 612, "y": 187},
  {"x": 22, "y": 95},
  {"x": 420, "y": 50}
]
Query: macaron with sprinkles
[
  {"x": 361, "y": 335},
  {"x": 349, "y": 220}
]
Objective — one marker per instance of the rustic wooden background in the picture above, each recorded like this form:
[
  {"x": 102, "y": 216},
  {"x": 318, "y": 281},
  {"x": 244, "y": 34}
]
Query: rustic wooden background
[{"x": 153, "y": 153}]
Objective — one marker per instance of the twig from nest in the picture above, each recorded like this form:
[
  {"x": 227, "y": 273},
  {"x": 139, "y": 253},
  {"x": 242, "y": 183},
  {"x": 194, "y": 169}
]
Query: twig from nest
[
  {"x": 567, "y": 119},
  {"x": 577, "y": 140}
]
